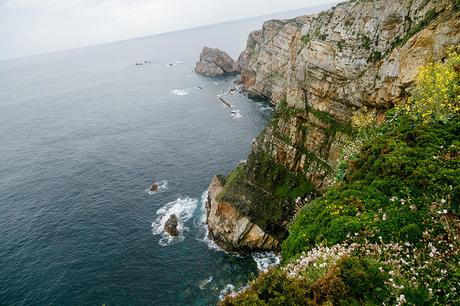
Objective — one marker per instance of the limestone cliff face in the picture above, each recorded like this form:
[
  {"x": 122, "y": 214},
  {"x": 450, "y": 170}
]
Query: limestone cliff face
[{"x": 319, "y": 70}]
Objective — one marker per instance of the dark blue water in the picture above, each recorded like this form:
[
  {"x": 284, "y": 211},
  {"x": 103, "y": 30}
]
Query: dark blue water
[{"x": 83, "y": 133}]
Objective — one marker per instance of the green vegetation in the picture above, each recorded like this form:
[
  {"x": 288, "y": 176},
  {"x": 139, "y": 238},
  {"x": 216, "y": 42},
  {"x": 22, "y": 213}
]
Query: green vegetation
[
  {"x": 430, "y": 16},
  {"x": 388, "y": 189},
  {"x": 270, "y": 188},
  {"x": 340, "y": 45},
  {"x": 350, "y": 281},
  {"x": 387, "y": 232},
  {"x": 375, "y": 57},
  {"x": 366, "y": 42},
  {"x": 305, "y": 39},
  {"x": 437, "y": 95},
  {"x": 333, "y": 125}
]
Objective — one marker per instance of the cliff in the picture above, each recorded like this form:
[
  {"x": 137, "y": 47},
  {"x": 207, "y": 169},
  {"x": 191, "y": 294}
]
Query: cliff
[{"x": 361, "y": 56}]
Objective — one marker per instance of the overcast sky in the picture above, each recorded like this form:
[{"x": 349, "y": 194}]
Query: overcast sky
[{"x": 37, "y": 26}]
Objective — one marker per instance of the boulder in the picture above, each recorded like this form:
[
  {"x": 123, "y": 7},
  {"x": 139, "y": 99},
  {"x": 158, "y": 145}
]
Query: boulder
[
  {"x": 214, "y": 62},
  {"x": 154, "y": 187},
  {"x": 171, "y": 225}
]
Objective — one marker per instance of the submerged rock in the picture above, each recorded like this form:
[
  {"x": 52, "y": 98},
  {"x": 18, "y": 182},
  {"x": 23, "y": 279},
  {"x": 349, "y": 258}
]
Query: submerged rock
[
  {"x": 171, "y": 225},
  {"x": 214, "y": 62}
]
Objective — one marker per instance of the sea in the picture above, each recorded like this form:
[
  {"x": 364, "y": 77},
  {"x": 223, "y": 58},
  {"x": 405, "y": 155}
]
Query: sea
[{"x": 84, "y": 133}]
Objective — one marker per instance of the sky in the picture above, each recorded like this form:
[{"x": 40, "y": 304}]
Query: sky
[{"x": 30, "y": 27}]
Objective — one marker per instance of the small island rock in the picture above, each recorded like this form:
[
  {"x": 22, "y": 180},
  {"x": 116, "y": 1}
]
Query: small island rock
[
  {"x": 154, "y": 187},
  {"x": 214, "y": 62},
  {"x": 171, "y": 225}
]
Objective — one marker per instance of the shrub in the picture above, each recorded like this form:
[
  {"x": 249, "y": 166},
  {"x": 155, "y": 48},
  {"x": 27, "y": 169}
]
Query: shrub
[
  {"x": 272, "y": 288},
  {"x": 353, "y": 281},
  {"x": 437, "y": 92},
  {"x": 305, "y": 39}
]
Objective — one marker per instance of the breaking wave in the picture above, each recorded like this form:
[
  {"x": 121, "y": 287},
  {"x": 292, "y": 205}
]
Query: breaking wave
[
  {"x": 184, "y": 209},
  {"x": 179, "y": 92},
  {"x": 236, "y": 114},
  {"x": 186, "y": 91},
  {"x": 200, "y": 224},
  {"x": 228, "y": 290},
  {"x": 266, "y": 260},
  {"x": 204, "y": 283}
]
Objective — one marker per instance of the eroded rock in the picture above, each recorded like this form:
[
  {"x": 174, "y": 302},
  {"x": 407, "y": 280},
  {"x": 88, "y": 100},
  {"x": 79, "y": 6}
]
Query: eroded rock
[
  {"x": 171, "y": 225},
  {"x": 230, "y": 229},
  {"x": 214, "y": 62}
]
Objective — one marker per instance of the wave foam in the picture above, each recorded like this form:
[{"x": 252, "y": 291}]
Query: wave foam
[
  {"x": 184, "y": 209},
  {"x": 266, "y": 260},
  {"x": 172, "y": 64},
  {"x": 235, "y": 114},
  {"x": 203, "y": 231},
  {"x": 228, "y": 290},
  {"x": 204, "y": 283},
  {"x": 179, "y": 92}
]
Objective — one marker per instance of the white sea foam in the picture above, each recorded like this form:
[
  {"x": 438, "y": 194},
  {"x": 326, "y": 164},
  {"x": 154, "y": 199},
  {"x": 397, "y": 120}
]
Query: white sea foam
[
  {"x": 266, "y": 260},
  {"x": 204, "y": 283},
  {"x": 162, "y": 185},
  {"x": 186, "y": 91},
  {"x": 184, "y": 209},
  {"x": 228, "y": 290},
  {"x": 179, "y": 92},
  {"x": 200, "y": 224},
  {"x": 172, "y": 64},
  {"x": 236, "y": 114}
]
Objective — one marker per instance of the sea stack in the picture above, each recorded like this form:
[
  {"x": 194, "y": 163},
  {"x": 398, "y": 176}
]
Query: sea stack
[
  {"x": 171, "y": 225},
  {"x": 214, "y": 62}
]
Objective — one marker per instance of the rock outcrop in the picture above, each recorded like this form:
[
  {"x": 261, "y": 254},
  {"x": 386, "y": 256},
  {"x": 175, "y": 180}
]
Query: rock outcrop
[
  {"x": 154, "y": 187},
  {"x": 230, "y": 229},
  {"x": 214, "y": 62},
  {"x": 319, "y": 70},
  {"x": 171, "y": 225}
]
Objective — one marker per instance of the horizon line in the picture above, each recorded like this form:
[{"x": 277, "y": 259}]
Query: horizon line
[{"x": 326, "y": 5}]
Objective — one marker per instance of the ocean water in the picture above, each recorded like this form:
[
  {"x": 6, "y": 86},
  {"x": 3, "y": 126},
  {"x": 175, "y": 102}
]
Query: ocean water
[{"x": 83, "y": 134}]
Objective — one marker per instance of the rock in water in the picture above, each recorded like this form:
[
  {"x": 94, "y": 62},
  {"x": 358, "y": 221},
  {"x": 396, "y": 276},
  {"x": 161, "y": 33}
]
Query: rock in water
[
  {"x": 171, "y": 225},
  {"x": 214, "y": 62},
  {"x": 154, "y": 187}
]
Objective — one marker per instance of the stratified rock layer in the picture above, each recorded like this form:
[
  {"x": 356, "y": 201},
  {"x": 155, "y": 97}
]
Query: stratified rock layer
[
  {"x": 229, "y": 228},
  {"x": 320, "y": 70},
  {"x": 214, "y": 62}
]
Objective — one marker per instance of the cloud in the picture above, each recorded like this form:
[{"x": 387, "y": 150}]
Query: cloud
[{"x": 36, "y": 26}]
